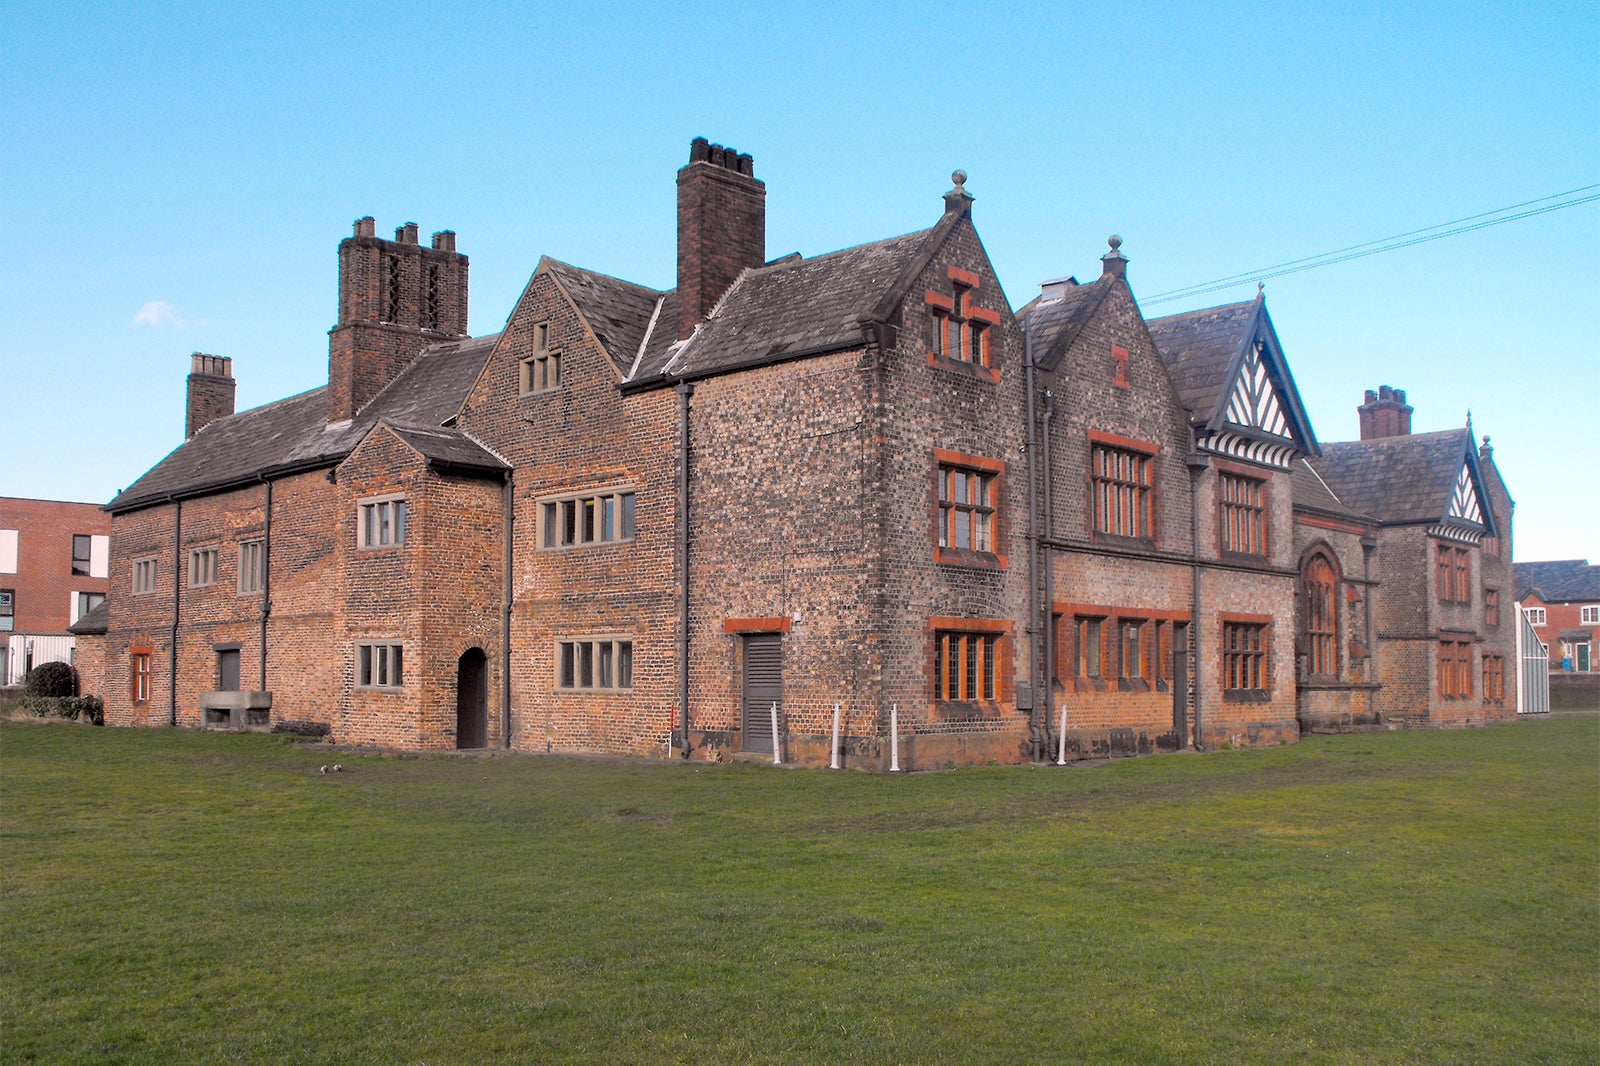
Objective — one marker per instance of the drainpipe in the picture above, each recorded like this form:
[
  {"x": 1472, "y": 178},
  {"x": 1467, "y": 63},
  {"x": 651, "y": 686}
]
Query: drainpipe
[
  {"x": 266, "y": 582},
  {"x": 1036, "y": 730},
  {"x": 1197, "y": 467},
  {"x": 507, "y": 508},
  {"x": 177, "y": 588},
  {"x": 1048, "y": 612},
  {"x": 685, "y": 390}
]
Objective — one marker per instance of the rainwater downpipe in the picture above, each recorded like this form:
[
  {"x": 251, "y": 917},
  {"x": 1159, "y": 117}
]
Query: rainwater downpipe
[
  {"x": 685, "y": 390},
  {"x": 177, "y": 592},
  {"x": 507, "y": 509},
  {"x": 1035, "y": 637},
  {"x": 1047, "y": 611},
  {"x": 1197, "y": 467},
  {"x": 266, "y": 583}
]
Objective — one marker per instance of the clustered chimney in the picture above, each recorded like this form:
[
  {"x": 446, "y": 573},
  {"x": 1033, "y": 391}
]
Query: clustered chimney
[
  {"x": 722, "y": 228},
  {"x": 1385, "y": 414},
  {"x": 210, "y": 392},
  {"x": 395, "y": 297}
]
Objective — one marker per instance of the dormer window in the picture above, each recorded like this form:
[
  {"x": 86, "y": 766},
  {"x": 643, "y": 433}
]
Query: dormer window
[{"x": 541, "y": 371}]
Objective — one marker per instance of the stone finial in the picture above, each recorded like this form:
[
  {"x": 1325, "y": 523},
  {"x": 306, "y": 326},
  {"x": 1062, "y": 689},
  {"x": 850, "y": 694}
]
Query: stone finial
[
  {"x": 1114, "y": 262},
  {"x": 958, "y": 199}
]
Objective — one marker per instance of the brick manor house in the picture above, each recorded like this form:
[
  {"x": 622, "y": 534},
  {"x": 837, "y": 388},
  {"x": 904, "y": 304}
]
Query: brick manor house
[{"x": 635, "y": 520}]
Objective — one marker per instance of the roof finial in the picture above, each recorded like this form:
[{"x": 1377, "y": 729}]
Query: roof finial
[
  {"x": 1114, "y": 262},
  {"x": 1261, "y": 288},
  {"x": 958, "y": 199}
]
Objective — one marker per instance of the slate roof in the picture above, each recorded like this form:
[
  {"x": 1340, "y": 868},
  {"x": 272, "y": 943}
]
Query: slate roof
[
  {"x": 1397, "y": 480},
  {"x": 93, "y": 622},
  {"x": 1199, "y": 348},
  {"x": 1558, "y": 581},
  {"x": 1311, "y": 493},
  {"x": 618, "y": 311},
  {"x": 796, "y": 307},
  {"x": 449, "y": 447},
  {"x": 293, "y": 433},
  {"x": 1054, "y": 324}
]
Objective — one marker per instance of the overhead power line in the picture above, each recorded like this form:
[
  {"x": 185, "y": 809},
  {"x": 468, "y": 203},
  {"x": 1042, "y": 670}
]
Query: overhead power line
[{"x": 1482, "y": 220}]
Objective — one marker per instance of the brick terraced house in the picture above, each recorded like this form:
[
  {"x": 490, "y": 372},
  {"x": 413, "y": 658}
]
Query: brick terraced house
[
  {"x": 1562, "y": 600},
  {"x": 701, "y": 519}
]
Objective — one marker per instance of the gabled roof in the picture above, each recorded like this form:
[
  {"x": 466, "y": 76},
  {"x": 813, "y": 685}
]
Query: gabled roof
[
  {"x": 1053, "y": 323},
  {"x": 449, "y": 448},
  {"x": 1229, "y": 370},
  {"x": 1558, "y": 581},
  {"x": 1406, "y": 479},
  {"x": 619, "y": 312},
  {"x": 294, "y": 434},
  {"x": 798, "y": 307}
]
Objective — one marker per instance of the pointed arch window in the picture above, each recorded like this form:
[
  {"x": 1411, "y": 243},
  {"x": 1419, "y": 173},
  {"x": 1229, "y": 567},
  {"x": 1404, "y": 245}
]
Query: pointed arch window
[{"x": 1322, "y": 617}]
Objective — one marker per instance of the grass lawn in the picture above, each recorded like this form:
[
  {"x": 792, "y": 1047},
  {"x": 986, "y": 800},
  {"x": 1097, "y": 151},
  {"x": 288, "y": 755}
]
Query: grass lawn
[{"x": 1406, "y": 897}]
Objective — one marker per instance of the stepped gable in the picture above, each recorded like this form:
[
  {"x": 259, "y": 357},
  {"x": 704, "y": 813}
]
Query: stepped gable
[
  {"x": 1398, "y": 480},
  {"x": 294, "y": 434}
]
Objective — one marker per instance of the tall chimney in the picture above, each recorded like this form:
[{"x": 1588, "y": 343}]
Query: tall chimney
[
  {"x": 1385, "y": 413},
  {"x": 395, "y": 298},
  {"x": 210, "y": 392},
  {"x": 722, "y": 228}
]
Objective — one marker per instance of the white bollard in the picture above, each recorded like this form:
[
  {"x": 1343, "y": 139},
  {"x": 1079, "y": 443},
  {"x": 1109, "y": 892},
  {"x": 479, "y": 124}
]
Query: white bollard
[
  {"x": 834, "y": 765},
  {"x": 1061, "y": 739},
  {"x": 777, "y": 748},
  {"x": 894, "y": 738}
]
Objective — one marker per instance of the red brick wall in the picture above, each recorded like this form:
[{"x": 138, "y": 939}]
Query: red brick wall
[
  {"x": 584, "y": 437},
  {"x": 44, "y": 582}
]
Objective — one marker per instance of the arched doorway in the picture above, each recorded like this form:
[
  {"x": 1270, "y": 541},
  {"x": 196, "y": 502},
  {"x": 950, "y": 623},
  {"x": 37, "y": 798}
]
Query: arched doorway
[{"x": 472, "y": 699}]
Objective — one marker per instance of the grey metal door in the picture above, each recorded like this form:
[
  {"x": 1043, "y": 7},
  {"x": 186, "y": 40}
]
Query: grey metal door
[
  {"x": 228, "y": 670},
  {"x": 763, "y": 686}
]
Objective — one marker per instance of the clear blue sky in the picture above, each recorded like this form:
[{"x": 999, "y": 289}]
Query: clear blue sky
[{"x": 177, "y": 177}]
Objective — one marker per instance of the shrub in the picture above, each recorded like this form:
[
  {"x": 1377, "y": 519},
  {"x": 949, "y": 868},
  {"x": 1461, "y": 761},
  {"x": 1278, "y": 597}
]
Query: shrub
[
  {"x": 52, "y": 679},
  {"x": 72, "y": 708}
]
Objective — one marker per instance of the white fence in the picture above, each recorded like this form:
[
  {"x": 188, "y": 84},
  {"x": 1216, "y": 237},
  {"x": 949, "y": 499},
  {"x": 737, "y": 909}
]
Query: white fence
[{"x": 24, "y": 652}]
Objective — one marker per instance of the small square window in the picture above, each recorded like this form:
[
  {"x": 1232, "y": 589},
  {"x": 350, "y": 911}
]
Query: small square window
[
  {"x": 251, "y": 568},
  {"x": 379, "y": 666},
  {"x": 1589, "y": 616},
  {"x": 382, "y": 523},
  {"x": 202, "y": 567},
  {"x": 144, "y": 575}
]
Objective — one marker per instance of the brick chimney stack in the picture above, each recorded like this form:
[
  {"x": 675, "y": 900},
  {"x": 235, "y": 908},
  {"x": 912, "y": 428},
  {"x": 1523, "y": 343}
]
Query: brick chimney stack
[
  {"x": 722, "y": 228},
  {"x": 210, "y": 390},
  {"x": 1385, "y": 414},
  {"x": 395, "y": 298}
]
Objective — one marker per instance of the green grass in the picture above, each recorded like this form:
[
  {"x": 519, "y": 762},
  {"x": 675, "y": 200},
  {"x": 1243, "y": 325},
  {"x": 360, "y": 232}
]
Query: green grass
[{"x": 1408, "y": 897}]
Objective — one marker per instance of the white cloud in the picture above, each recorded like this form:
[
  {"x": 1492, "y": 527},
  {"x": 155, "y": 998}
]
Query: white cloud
[{"x": 158, "y": 313}]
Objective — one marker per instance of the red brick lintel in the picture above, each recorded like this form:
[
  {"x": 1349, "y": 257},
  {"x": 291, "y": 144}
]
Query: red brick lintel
[
  {"x": 756, "y": 625},
  {"x": 964, "y": 277},
  {"x": 1115, "y": 441}
]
